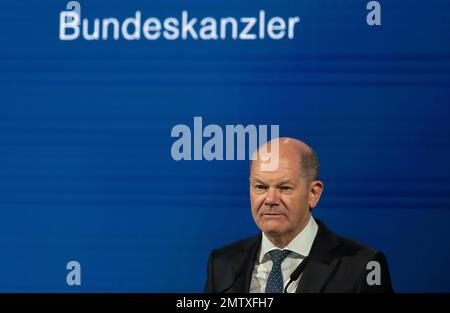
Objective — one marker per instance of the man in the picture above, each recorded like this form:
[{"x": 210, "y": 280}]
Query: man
[{"x": 294, "y": 252}]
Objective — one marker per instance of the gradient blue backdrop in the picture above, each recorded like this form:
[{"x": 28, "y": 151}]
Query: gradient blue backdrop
[{"x": 85, "y": 167}]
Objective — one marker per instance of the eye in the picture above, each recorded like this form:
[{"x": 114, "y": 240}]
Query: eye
[
  {"x": 286, "y": 188},
  {"x": 260, "y": 187}
]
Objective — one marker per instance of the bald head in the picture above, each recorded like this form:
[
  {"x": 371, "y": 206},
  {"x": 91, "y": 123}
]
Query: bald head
[{"x": 293, "y": 149}]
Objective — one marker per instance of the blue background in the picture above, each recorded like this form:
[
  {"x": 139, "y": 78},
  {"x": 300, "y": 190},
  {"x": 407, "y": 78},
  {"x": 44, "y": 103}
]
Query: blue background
[{"x": 85, "y": 167}]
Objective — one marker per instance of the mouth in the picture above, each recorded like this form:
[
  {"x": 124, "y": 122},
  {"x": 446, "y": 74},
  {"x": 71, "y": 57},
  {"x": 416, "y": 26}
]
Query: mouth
[{"x": 271, "y": 215}]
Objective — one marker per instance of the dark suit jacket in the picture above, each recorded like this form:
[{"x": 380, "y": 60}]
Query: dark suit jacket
[{"x": 336, "y": 264}]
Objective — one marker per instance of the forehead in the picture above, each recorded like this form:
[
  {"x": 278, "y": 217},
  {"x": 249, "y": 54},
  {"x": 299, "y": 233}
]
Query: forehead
[{"x": 288, "y": 169}]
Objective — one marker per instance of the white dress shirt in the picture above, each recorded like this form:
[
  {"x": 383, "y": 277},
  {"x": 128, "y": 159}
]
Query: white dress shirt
[{"x": 300, "y": 247}]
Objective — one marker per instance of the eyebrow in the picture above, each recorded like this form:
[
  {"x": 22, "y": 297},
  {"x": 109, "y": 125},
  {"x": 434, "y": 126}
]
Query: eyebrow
[
  {"x": 257, "y": 180},
  {"x": 284, "y": 181}
]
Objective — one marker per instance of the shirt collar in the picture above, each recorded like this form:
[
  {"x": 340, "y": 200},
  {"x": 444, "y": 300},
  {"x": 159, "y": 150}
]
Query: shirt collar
[{"x": 300, "y": 245}]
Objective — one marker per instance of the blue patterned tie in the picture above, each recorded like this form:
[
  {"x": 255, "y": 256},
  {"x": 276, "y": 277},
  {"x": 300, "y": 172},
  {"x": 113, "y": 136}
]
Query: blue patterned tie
[{"x": 275, "y": 280}]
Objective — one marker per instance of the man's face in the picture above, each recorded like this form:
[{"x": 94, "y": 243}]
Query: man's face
[{"x": 280, "y": 199}]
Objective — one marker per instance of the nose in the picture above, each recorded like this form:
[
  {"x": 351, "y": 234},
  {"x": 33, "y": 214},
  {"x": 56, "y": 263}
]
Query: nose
[{"x": 272, "y": 197}]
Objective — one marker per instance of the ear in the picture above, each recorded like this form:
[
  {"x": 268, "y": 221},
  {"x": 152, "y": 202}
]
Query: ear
[{"x": 315, "y": 192}]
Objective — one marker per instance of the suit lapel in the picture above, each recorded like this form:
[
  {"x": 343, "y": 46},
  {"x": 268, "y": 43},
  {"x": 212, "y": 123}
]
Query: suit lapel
[{"x": 322, "y": 264}]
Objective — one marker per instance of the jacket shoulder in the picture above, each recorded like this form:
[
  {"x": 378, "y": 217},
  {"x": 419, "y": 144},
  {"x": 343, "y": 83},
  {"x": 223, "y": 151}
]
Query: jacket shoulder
[
  {"x": 340, "y": 246},
  {"x": 350, "y": 247}
]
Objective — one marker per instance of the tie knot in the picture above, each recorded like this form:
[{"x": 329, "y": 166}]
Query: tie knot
[{"x": 279, "y": 255}]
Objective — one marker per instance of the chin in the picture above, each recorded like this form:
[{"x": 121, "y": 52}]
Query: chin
[{"x": 273, "y": 229}]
